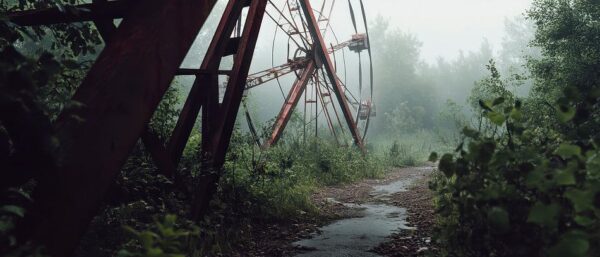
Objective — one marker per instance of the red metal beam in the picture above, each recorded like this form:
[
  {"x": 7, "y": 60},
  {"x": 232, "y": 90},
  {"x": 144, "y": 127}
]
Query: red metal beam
[
  {"x": 101, "y": 10},
  {"x": 106, "y": 27},
  {"x": 320, "y": 49},
  {"x": 152, "y": 142},
  {"x": 290, "y": 104},
  {"x": 205, "y": 83},
  {"x": 223, "y": 128},
  {"x": 221, "y": 118},
  {"x": 119, "y": 95}
]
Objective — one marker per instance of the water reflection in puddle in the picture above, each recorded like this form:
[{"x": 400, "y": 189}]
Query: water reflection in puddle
[{"x": 356, "y": 236}]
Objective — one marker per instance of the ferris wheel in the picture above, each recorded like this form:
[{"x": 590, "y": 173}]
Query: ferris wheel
[{"x": 332, "y": 74}]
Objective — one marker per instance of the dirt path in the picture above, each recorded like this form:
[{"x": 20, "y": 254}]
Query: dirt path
[
  {"x": 390, "y": 217},
  {"x": 386, "y": 217},
  {"x": 419, "y": 204}
]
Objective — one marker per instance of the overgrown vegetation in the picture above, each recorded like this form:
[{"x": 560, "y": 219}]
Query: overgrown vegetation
[
  {"x": 524, "y": 179},
  {"x": 525, "y": 182},
  {"x": 38, "y": 78}
]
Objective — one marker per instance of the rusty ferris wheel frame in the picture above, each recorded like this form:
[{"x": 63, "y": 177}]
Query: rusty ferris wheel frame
[
  {"x": 124, "y": 86},
  {"x": 310, "y": 73}
]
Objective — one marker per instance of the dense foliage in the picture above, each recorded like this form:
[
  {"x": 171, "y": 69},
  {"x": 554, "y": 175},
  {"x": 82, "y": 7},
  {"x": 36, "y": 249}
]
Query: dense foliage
[
  {"x": 526, "y": 182},
  {"x": 523, "y": 181}
]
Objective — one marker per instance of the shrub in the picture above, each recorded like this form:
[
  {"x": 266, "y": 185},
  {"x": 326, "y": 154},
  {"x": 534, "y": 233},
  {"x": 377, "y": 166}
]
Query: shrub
[{"x": 504, "y": 195}]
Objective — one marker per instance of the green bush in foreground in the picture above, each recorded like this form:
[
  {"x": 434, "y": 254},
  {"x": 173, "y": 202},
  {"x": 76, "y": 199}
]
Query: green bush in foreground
[{"x": 507, "y": 196}]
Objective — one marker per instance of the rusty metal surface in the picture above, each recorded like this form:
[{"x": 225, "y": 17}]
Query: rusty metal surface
[
  {"x": 290, "y": 103},
  {"x": 126, "y": 83},
  {"x": 220, "y": 118},
  {"x": 116, "y": 108},
  {"x": 320, "y": 49},
  {"x": 205, "y": 84}
]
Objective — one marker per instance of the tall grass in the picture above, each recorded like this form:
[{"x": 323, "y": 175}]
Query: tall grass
[
  {"x": 410, "y": 149},
  {"x": 281, "y": 180}
]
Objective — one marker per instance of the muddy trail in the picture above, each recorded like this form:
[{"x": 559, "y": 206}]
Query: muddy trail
[{"x": 392, "y": 216}]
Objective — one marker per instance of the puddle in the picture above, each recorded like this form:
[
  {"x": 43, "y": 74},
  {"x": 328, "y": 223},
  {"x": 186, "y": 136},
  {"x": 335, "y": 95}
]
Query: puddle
[
  {"x": 356, "y": 236},
  {"x": 394, "y": 187},
  {"x": 397, "y": 186}
]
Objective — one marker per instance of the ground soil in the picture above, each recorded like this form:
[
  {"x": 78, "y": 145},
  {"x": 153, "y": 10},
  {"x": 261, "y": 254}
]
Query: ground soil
[
  {"x": 419, "y": 204},
  {"x": 276, "y": 238}
]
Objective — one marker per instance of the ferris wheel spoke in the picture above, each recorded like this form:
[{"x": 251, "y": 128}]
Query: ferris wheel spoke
[
  {"x": 305, "y": 28},
  {"x": 290, "y": 103},
  {"x": 292, "y": 24},
  {"x": 327, "y": 115}
]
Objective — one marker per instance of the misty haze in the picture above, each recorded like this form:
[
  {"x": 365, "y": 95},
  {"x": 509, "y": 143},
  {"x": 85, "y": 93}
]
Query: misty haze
[{"x": 188, "y": 128}]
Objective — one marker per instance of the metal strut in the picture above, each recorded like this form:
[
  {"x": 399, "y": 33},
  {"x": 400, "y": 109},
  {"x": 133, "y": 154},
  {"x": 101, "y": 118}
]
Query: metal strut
[
  {"x": 118, "y": 99},
  {"x": 218, "y": 120},
  {"x": 290, "y": 104},
  {"x": 321, "y": 50}
]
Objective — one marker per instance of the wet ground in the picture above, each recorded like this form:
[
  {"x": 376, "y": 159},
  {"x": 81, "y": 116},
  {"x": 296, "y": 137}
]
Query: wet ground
[
  {"x": 392, "y": 216},
  {"x": 375, "y": 218}
]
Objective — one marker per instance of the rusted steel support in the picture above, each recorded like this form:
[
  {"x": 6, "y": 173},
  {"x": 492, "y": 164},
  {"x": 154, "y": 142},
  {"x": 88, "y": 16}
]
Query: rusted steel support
[
  {"x": 106, "y": 27},
  {"x": 119, "y": 95},
  {"x": 221, "y": 122},
  {"x": 100, "y": 10},
  {"x": 320, "y": 49},
  {"x": 290, "y": 103},
  {"x": 154, "y": 145},
  {"x": 206, "y": 83}
]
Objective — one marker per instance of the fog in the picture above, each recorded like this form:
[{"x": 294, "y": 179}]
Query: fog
[
  {"x": 445, "y": 27},
  {"x": 425, "y": 53}
]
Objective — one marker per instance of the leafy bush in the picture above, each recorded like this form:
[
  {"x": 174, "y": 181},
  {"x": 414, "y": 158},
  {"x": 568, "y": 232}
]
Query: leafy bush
[
  {"x": 279, "y": 182},
  {"x": 505, "y": 196},
  {"x": 165, "y": 239},
  {"x": 527, "y": 181}
]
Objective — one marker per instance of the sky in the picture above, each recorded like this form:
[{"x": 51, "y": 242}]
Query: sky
[
  {"x": 443, "y": 26},
  {"x": 447, "y": 26}
]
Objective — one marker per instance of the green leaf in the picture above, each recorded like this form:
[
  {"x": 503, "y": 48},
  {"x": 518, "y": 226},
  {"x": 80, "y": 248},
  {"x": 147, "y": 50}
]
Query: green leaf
[
  {"x": 147, "y": 239},
  {"x": 496, "y": 118},
  {"x": 498, "y": 101},
  {"x": 154, "y": 252},
  {"x": 70, "y": 64},
  {"x": 571, "y": 244},
  {"x": 20, "y": 193},
  {"x": 170, "y": 220},
  {"x": 566, "y": 150},
  {"x": 471, "y": 133},
  {"x": 582, "y": 200},
  {"x": 584, "y": 221},
  {"x": 433, "y": 157},
  {"x": 485, "y": 105},
  {"x": 499, "y": 220},
  {"x": 5, "y": 226},
  {"x": 447, "y": 165},
  {"x": 516, "y": 114},
  {"x": 535, "y": 178},
  {"x": 13, "y": 209},
  {"x": 566, "y": 113},
  {"x": 593, "y": 164},
  {"x": 544, "y": 215},
  {"x": 565, "y": 178}
]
